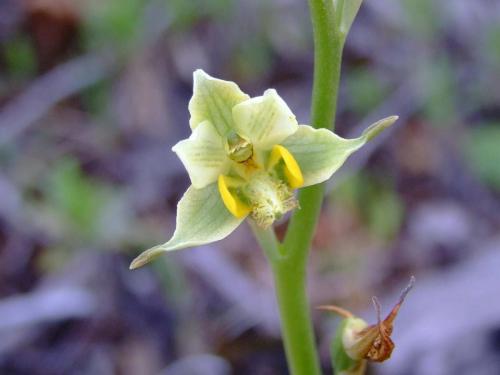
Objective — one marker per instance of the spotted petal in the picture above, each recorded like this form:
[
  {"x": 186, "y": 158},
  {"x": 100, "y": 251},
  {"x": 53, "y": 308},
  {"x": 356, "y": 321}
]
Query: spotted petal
[
  {"x": 203, "y": 155},
  {"x": 213, "y": 100},
  {"x": 201, "y": 218},
  {"x": 264, "y": 120},
  {"x": 320, "y": 153}
]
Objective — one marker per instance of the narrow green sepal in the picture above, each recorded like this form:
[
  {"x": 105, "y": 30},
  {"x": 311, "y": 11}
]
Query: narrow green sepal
[
  {"x": 146, "y": 257},
  {"x": 201, "y": 218},
  {"x": 320, "y": 152},
  {"x": 378, "y": 127}
]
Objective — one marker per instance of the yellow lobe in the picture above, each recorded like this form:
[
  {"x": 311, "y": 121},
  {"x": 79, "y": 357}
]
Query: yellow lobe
[
  {"x": 292, "y": 169},
  {"x": 232, "y": 203}
]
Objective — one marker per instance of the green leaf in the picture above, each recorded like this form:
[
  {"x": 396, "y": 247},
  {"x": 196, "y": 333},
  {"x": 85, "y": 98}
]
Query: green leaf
[
  {"x": 365, "y": 90},
  {"x": 423, "y": 19},
  {"x": 213, "y": 100},
  {"x": 375, "y": 200},
  {"x": 185, "y": 14},
  {"x": 203, "y": 155},
  {"x": 347, "y": 10},
  {"x": 115, "y": 23},
  {"x": 201, "y": 218},
  {"x": 481, "y": 152},
  {"x": 320, "y": 153},
  {"x": 20, "y": 58},
  {"x": 78, "y": 199},
  {"x": 440, "y": 83},
  {"x": 264, "y": 120}
]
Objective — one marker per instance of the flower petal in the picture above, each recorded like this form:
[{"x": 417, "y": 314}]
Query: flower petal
[
  {"x": 213, "y": 100},
  {"x": 292, "y": 170},
  {"x": 201, "y": 218},
  {"x": 203, "y": 155},
  {"x": 320, "y": 153},
  {"x": 264, "y": 120},
  {"x": 231, "y": 201}
]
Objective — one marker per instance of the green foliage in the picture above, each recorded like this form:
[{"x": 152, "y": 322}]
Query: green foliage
[
  {"x": 440, "y": 88},
  {"x": 385, "y": 212},
  {"x": 187, "y": 13},
  {"x": 20, "y": 58},
  {"x": 113, "y": 23},
  {"x": 365, "y": 90},
  {"x": 173, "y": 281},
  {"x": 423, "y": 17},
  {"x": 482, "y": 151},
  {"x": 492, "y": 45},
  {"x": 75, "y": 197},
  {"x": 254, "y": 57},
  {"x": 96, "y": 97},
  {"x": 376, "y": 202}
]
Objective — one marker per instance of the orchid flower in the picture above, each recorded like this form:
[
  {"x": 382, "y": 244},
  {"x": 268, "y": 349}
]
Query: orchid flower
[{"x": 245, "y": 158}]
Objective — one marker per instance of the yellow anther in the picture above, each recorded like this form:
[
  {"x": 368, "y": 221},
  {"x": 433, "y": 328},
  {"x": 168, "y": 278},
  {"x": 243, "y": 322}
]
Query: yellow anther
[
  {"x": 232, "y": 203},
  {"x": 292, "y": 169}
]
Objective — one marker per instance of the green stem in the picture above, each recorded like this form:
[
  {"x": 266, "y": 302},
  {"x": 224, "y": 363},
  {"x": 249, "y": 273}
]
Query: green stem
[
  {"x": 289, "y": 279},
  {"x": 289, "y": 260},
  {"x": 328, "y": 46},
  {"x": 296, "y": 323},
  {"x": 267, "y": 241}
]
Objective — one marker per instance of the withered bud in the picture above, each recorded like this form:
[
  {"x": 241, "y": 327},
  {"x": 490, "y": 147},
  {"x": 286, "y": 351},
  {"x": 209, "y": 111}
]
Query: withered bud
[{"x": 360, "y": 341}]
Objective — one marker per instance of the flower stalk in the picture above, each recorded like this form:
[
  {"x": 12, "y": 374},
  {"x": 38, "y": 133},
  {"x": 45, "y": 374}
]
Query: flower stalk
[{"x": 290, "y": 271}]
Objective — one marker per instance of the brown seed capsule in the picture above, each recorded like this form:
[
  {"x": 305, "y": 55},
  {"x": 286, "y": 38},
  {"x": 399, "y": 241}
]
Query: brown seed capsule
[{"x": 373, "y": 342}]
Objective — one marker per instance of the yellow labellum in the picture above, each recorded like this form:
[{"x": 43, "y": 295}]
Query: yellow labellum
[
  {"x": 232, "y": 203},
  {"x": 292, "y": 169}
]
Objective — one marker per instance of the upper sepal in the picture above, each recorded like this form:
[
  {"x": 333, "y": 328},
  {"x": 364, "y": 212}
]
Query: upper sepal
[
  {"x": 213, "y": 100},
  {"x": 264, "y": 120}
]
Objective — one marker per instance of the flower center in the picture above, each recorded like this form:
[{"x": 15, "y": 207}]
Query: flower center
[{"x": 269, "y": 198}]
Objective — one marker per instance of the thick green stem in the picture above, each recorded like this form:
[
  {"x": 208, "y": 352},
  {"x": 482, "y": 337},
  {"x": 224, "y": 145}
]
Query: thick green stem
[
  {"x": 296, "y": 323},
  {"x": 289, "y": 279},
  {"x": 289, "y": 260},
  {"x": 267, "y": 241},
  {"x": 328, "y": 46}
]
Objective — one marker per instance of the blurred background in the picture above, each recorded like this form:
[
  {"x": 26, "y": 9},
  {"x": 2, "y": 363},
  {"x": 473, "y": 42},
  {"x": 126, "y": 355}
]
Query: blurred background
[{"x": 93, "y": 94}]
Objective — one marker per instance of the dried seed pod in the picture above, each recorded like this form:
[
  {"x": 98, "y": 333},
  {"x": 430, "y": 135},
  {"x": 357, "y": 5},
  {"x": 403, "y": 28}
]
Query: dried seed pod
[{"x": 356, "y": 341}]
